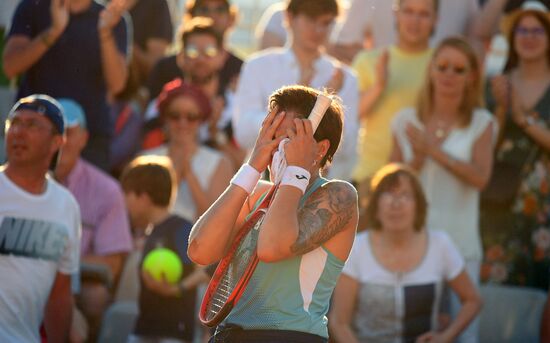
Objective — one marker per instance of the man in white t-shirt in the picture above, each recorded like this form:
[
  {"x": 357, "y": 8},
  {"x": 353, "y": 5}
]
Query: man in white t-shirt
[
  {"x": 39, "y": 227},
  {"x": 374, "y": 20},
  {"x": 301, "y": 62}
]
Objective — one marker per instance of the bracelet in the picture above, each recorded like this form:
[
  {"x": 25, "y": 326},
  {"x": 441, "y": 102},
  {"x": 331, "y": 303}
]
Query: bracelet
[
  {"x": 246, "y": 178},
  {"x": 297, "y": 177}
]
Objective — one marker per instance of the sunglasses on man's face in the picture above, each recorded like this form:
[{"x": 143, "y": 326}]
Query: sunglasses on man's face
[{"x": 193, "y": 52}]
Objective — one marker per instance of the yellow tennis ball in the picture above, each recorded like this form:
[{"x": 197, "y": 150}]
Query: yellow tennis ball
[{"x": 163, "y": 261}]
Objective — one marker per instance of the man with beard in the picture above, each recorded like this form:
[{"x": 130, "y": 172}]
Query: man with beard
[
  {"x": 223, "y": 16},
  {"x": 201, "y": 61}
]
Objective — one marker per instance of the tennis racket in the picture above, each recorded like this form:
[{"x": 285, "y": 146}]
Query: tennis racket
[{"x": 236, "y": 268}]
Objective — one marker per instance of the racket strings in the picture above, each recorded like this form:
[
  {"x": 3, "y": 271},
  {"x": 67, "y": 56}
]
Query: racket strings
[{"x": 235, "y": 271}]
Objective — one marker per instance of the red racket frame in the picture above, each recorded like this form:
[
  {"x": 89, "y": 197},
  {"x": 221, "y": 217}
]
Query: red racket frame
[{"x": 223, "y": 265}]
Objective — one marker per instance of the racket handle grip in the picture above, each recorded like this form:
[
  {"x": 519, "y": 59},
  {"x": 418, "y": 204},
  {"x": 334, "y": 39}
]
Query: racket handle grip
[{"x": 317, "y": 113}]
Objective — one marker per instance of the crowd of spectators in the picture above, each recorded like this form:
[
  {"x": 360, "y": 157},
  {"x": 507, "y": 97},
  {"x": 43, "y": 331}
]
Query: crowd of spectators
[{"x": 451, "y": 164}]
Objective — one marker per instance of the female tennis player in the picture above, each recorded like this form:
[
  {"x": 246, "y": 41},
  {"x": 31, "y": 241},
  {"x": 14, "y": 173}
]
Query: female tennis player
[{"x": 305, "y": 236}]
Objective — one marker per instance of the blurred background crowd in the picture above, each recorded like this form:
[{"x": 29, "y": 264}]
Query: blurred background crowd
[{"x": 458, "y": 90}]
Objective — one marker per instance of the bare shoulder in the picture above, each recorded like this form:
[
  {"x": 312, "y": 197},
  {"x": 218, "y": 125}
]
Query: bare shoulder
[
  {"x": 339, "y": 194},
  {"x": 336, "y": 196},
  {"x": 328, "y": 212}
]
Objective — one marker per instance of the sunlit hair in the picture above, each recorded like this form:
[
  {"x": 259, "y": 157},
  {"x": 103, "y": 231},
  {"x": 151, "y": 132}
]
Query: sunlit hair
[
  {"x": 388, "y": 178},
  {"x": 312, "y": 8},
  {"x": 301, "y": 100},
  {"x": 472, "y": 95},
  {"x": 192, "y": 5},
  {"x": 152, "y": 175},
  {"x": 199, "y": 26},
  {"x": 513, "y": 58}
]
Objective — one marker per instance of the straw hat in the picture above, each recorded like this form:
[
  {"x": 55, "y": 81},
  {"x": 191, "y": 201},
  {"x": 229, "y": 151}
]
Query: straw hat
[{"x": 530, "y": 6}]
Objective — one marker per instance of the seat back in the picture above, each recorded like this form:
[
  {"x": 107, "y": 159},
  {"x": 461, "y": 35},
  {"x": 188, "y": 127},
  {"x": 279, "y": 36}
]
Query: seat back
[
  {"x": 118, "y": 322},
  {"x": 511, "y": 314},
  {"x": 128, "y": 285}
]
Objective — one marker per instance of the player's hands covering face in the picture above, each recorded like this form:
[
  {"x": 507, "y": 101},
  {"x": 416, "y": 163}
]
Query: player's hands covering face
[
  {"x": 266, "y": 143},
  {"x": 302, "y": 148}
]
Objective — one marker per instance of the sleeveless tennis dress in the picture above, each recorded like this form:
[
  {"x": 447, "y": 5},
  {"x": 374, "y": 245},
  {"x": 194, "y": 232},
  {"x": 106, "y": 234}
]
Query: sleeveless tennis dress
[{"x": 292, "y": 294}]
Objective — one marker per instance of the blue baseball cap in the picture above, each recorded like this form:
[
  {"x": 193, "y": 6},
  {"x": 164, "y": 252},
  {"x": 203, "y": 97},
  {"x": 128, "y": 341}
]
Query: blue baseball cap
[
  {"x": 74, "y": 113},
  {"x": 42, "y": 104}
]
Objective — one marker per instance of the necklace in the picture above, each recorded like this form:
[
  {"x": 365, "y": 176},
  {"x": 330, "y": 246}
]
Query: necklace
[
  {"x": 440, "y": 130},
  {"x": 440, "y": 133}
]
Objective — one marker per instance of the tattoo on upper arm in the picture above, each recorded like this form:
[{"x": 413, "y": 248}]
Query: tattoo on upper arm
[{"x": 324, "y": 215}]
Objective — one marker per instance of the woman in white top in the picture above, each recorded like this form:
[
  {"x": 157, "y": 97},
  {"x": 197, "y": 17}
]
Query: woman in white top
[
  {"x": 449, "y": 139},
  {"x": 203, "y": 172},
  {"x": 391, "y": 286}
]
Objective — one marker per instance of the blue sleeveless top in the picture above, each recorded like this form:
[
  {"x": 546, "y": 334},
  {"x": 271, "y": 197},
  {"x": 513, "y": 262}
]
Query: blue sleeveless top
[{"x": 292, "y": 294}]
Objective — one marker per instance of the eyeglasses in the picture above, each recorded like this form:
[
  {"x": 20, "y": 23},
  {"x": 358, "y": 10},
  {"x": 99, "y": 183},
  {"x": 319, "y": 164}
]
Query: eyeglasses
[
  {"x": 534, "y": 31},
  {"x": 33, "y": 125},
  {"x": 394, "y": 197},
  {"x": 190, "y": 117},
  {"x": 193, "y": 52},
  {"x": 457, "y": 69},
  {"x": 202, "y": 11}
]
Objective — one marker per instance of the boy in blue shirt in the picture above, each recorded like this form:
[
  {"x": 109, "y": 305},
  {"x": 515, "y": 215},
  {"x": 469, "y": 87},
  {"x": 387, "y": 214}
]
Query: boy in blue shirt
[{"x": 166, "y": 311}]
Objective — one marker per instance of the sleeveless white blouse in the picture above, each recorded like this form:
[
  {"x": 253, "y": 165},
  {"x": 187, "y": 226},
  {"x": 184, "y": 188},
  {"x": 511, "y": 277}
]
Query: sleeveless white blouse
[{"x": 453, "y": 205}]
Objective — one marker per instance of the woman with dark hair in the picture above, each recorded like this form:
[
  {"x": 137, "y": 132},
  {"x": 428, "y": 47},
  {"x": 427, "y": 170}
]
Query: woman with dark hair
[
  {"x": 516, "y": 205},
  {"x": 391, "y": 285},
  {"x": 449, "y": 138},
  {"x": 202, "y": 172},
  {"x": 305, "y": 236}
]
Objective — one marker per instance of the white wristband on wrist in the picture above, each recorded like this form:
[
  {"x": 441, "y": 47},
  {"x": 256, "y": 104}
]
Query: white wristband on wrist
[
  {"x": 247, "y": 177},
  {"x": 297, "y": 177}
]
